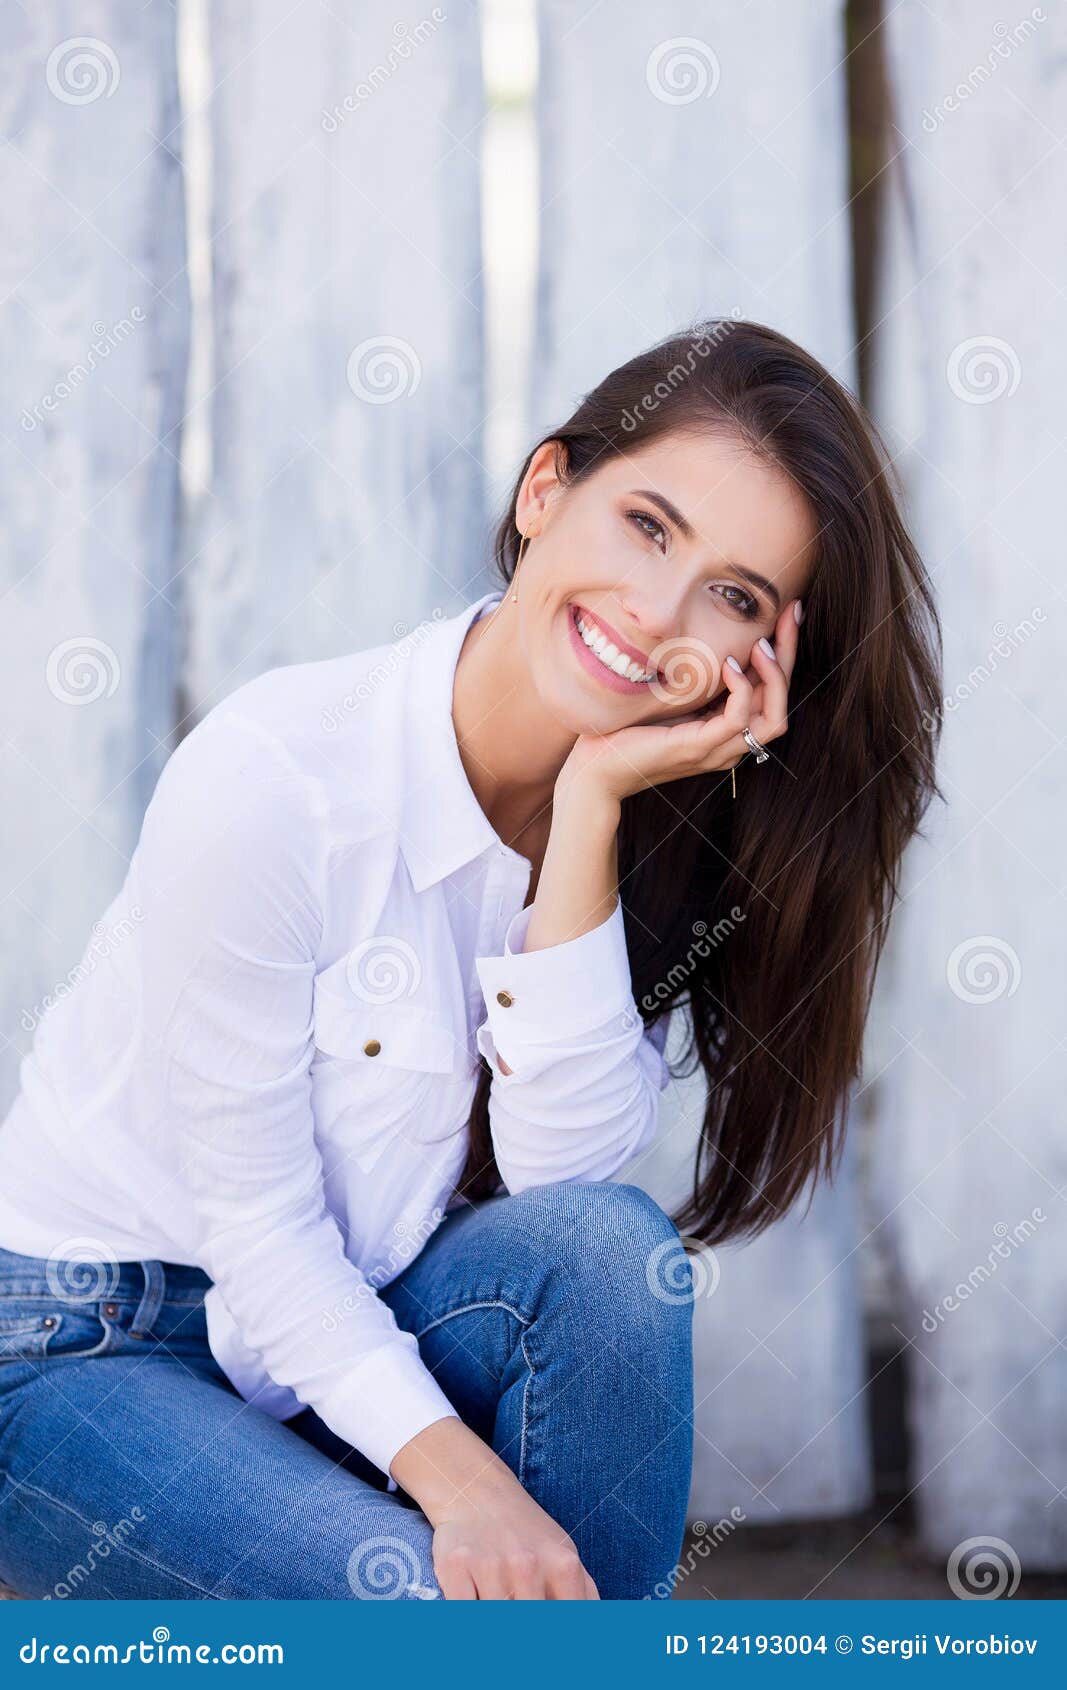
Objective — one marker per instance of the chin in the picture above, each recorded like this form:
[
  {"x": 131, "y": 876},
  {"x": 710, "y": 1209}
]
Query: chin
[{"x": 579, "y": 714}]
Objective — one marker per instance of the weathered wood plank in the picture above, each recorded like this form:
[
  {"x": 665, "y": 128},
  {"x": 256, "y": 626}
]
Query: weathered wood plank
[{"x": 348, "y": 394}]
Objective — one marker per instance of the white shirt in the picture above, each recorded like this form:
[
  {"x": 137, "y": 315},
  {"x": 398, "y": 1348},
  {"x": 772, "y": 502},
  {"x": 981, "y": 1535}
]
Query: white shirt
[{"x": 266, "y": 1064}]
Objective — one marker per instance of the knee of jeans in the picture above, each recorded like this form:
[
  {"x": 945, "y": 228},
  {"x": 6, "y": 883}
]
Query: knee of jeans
[{"x": 616, "y": 1237}]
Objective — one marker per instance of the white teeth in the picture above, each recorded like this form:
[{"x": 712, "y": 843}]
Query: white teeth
[{"x": 610, "y": 655}]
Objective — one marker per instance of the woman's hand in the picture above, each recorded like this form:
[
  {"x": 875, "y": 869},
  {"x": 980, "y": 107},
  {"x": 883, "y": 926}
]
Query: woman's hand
[
  {"x": 491, "y": 1539},
  {"x": 705, "y": 741},
  {"x": 496, "y": 1542}
]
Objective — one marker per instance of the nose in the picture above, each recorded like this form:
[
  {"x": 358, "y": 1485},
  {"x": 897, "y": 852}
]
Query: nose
[{"x": 653, "y": 617}]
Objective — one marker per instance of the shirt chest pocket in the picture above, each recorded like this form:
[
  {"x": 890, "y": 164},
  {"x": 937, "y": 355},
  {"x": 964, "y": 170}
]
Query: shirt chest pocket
[
  {"x": 379, "y": 1065},
  {"x": 382, "y": 1039},
  {"x": 392, "y": 1085}
]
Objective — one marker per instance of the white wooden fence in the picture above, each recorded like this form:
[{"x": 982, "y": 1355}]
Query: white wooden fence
[{"x": 693, "y": 161}]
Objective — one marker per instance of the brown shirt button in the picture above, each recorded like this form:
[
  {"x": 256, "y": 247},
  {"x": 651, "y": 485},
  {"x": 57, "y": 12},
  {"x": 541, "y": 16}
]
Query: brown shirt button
[
  {"x": 111, "y": 1308},
  {"x": 371, "y": 1048},
  {"x": 505, "y": 998}
]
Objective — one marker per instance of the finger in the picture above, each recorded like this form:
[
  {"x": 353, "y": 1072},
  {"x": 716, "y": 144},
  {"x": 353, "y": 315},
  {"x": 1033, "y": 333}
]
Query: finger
[
  {"x": 722, "y": 758},
  {"x": 770, "y": 718},
  {"x": 456, "y": 1583},
  {"x": 592, "y": 1593},
  {"x": 709, "y": 713},
  {"x": 786, "y": 637},
  {"x": 566, "y": 1580},
  {"x": 526, "y": 1579},
  {"x": 490, "y": 1581},
  {"x": 738, "y": 707},
  {"x": 703, "y": 737}
]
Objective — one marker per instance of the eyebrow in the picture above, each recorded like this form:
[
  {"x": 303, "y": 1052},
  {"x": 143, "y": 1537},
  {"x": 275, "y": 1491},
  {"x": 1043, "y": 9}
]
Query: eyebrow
[{"x": 688, "y": 532}]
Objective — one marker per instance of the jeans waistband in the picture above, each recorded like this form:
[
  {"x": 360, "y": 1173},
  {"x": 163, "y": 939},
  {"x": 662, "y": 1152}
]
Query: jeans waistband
[{"x": 149, "y": 1284}]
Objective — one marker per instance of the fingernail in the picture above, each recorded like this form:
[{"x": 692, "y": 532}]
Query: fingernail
[
  {"x": 732, "y": 661},
  {"x": 798, "y": 610},
  {"x": 766, "y": 648}
]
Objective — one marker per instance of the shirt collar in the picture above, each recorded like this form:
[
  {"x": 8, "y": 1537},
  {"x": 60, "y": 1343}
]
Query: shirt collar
[{"x": 442, "y": 824}]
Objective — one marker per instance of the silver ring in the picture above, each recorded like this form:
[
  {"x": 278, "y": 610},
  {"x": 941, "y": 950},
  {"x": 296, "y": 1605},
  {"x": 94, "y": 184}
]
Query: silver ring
[{"x": 754, "y": 745}]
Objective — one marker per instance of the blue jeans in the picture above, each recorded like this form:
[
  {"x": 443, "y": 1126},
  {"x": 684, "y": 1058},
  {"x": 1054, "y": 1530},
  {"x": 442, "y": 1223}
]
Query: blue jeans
[{"x": 130, "y": 1467}]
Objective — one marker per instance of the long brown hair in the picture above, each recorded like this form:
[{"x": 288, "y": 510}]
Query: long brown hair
[{"x": 765, "y": 916}]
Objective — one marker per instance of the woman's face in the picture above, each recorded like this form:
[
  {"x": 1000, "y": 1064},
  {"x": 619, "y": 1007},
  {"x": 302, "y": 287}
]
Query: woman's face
[{"x": 681, "y": 554}]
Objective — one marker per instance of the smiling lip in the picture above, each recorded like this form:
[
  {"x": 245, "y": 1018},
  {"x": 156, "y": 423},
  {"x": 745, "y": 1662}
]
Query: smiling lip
[
  {"x": 639, "y": 657},
  {"x": 607, "y": 677}
]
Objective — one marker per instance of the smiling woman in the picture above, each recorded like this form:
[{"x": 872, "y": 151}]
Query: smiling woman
[{"x": 333, "y": 1136}]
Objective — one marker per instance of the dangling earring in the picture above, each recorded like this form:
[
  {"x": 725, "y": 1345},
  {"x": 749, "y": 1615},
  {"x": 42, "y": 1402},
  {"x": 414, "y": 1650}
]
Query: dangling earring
[
  {"x": 733, "y": 785},
  {"x": 518, "y": 560}
]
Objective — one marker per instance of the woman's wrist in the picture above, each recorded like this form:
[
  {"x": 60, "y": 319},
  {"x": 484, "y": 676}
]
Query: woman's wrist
[
  {"x": 579, "y": 883},
  {"x": 446, "y": 1468},
  {"x": 580, "y": 790}
]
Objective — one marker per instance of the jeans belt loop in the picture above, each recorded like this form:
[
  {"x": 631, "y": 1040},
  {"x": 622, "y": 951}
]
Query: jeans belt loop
[{"x": 152, "y": 1300}]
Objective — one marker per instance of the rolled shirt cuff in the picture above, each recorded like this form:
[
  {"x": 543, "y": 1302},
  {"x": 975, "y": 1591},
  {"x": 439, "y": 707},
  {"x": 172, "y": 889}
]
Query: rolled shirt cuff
[
  {"x": 384, "y": 1401},
  {"x": 558, "y": 993}
]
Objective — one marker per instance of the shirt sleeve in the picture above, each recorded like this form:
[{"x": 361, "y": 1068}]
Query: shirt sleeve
[
  {"x": 582, "y": 1097},
  {"x": 230, "y": 871}
]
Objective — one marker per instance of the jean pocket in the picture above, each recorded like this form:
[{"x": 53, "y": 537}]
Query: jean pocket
[
  {"x": 34, "y": 1335},
  {"x": 23, "y": 1337}
]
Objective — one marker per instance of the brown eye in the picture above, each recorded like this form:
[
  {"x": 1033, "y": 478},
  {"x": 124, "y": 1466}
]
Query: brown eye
[
  {"x": 641, "y": 518},
  {"x": 743, "y": 602}
]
